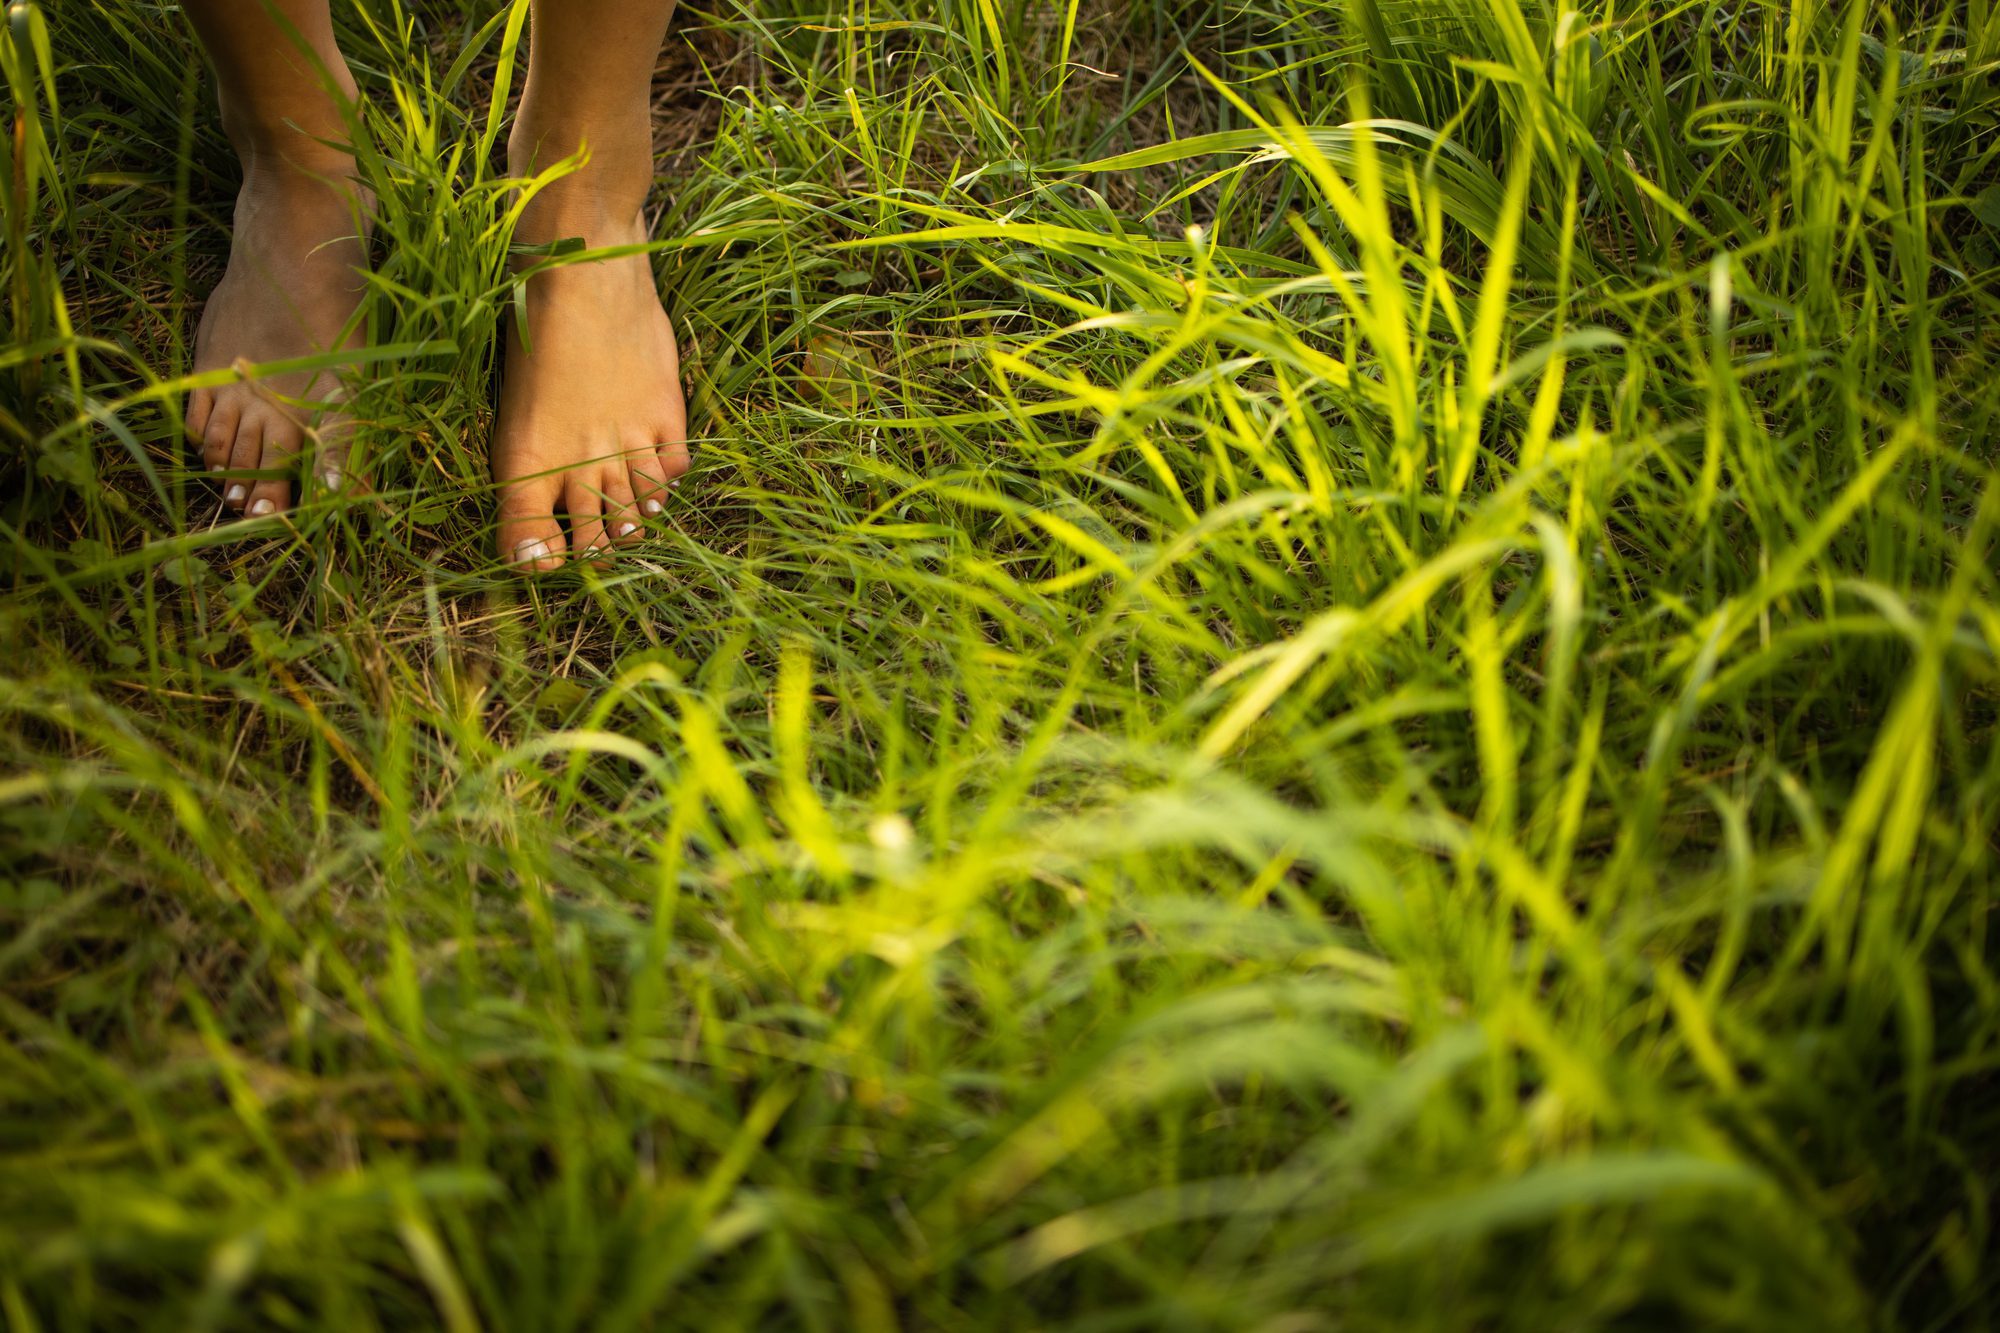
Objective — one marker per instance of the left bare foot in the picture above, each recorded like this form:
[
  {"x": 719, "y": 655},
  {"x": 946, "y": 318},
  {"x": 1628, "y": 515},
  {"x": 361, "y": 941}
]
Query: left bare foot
[{"x": 592, "y": 423}]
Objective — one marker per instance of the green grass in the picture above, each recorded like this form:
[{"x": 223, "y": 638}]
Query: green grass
[{"x": 1421, "y": 756}]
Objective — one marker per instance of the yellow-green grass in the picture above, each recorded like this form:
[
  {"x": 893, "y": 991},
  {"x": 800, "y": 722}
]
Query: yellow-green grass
[{"x": 1358, "y": 693}]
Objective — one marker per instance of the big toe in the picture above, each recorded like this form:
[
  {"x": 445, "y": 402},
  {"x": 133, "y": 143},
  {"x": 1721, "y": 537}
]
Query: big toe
[
  {"x": 531, "y": 540},
  {"x": 218, "y": 439},
  {"x": 201, "y": 406}
]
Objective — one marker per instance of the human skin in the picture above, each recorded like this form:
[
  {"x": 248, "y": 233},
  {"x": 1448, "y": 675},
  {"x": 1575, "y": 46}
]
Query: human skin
[{"x": 592, "y": 425}]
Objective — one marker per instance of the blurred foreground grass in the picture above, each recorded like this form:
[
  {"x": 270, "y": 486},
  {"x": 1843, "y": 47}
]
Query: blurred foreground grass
[{"x": 1328, "y": 666}]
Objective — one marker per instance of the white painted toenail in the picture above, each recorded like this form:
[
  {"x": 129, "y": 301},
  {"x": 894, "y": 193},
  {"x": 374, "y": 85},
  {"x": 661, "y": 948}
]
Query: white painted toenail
[
  {"x": 652, "y": 506},
  {"x": 218, "y": 467},
  {"x": 531, "y": 552},
  {"x": 236, "y": 493},
  {"x": 330, "y": 479},
  {"x": 627, "y": 529},
  {"x": 674, "y": 483},
  {"x": 261, "y": 508}
]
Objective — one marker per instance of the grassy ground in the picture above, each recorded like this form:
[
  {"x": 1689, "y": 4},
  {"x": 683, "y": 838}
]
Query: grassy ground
[{"x": 1328, "y": 665}]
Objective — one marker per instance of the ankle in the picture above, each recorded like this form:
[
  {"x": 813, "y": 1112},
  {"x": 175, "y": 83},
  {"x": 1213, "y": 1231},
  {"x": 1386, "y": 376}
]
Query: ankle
[
  {"x": 302, "y": 173},
  {"x": 292, "y": 201},
  {"x": 609, "y": 189},
  {"x": 303, "y": 130}
]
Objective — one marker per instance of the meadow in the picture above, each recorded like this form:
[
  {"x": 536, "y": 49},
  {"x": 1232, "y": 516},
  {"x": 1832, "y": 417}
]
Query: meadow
[{"x": 1328, "y": 664}]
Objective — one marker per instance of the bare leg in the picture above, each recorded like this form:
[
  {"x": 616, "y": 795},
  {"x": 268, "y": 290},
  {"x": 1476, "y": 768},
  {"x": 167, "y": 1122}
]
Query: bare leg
[
  {"x": 294, "y": 258},
  {"x": 592, "y": 422}
]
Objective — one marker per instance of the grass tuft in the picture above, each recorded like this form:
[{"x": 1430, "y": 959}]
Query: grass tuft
[{"x": 1326, "y": 665}]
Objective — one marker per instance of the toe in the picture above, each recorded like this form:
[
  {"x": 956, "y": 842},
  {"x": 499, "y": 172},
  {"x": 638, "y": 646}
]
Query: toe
[
  {"x": 201, "y": 406},
  {"x": 649, "y": 483},
  {"x": 655, "y": 473},
  {"x": 674, "y": 461},
  {"x": 218, "y": 437},
  {"x": 530, "y": 538},
  {"x": 584, "y": 501},
  {"x": 622, "y": 519},
  {"x": 333, "y": 463},
  {"x": 273, "y": 495},
  {"x": 246, "y": 454}
]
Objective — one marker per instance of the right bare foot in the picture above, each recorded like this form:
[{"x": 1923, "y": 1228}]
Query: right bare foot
[
  {"x": 592, "y": 423},
  {"x": 290, "y": 290}
]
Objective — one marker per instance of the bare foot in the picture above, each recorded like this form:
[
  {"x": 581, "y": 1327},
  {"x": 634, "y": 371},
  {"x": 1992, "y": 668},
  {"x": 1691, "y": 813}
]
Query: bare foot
[
  {"x": 290, "y": 290},
  {"x": 592, "y": 422}
]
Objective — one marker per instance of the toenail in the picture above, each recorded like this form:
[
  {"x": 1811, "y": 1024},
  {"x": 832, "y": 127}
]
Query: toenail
[
  {"x": 330, "y": 479},
  {"x": 236, "y": 493},
  {"x": 627, "y": 529},
  {"x": 652, "y": 506},
  {"x": 218, "y": 467},
  {"x": 261, "y": 508},
  {"x": 674, "y": 483},
  {"x": 531, "y": 552}
]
